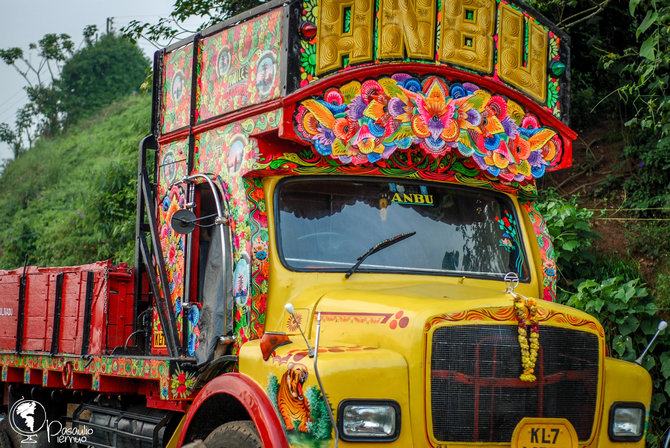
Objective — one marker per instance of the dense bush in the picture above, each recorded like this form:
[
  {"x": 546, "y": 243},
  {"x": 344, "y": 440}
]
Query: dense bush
[
  {"x": 630, "y": 318},
  {"x": 99, "y": 74},
  {"x": 71, "y": 199},
  {"x": 621, "y": 61},
  {"x": 78, "y": 84},
  {"x": 572, "y": 235},
  {"x": 611, "y": 289}
]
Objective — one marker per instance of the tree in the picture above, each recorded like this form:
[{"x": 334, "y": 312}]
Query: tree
[
  {"x": 645, "y": 89},
  {"x": 25, "y": 119},
  {"x": 9, "y": 136},
  {"x": 170, "y": 28},
  {"x": 621, "y": 72},
  {"x": 64, "y": 85},
  {"x": 90, "y": 34},
  {"x": 99, "y": 74},
  {"x": 44, "y": 101},
  {"x": 53, "y": 49}
]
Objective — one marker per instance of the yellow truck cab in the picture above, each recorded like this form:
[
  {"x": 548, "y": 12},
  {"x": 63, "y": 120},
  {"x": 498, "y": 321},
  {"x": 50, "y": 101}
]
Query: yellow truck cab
[{"x": 338, "y": 236}]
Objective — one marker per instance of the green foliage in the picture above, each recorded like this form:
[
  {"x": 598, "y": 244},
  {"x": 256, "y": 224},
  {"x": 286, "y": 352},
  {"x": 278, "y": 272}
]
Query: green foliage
[
  {"x": 613, "y": 265},
  {"x": 662, "y": 290},
  {"x": 90, "y": 33},
  {"x": 43, "y": 107},
  {"x": 630, "y": 318},
  {"x": 648, "y": 183},
  {"x": 645, "y": 67},
  {"x": 272, "y": 390},
  {"x": 650, "y": 75},
  {"x": 45, "y": 102},
  {"x": 11, "y": 55},
  {"x": 99, "y": 74},
  {"x": 71, "y": 199},
  {"x": 110, "y": 210},
  {"x": 78, "y": 83},
  {"x": 611, "y": 289},
  {"x": 597, "y": 30},
  {"x": 54, "y": 47},
  {"x": 320, "y": 426},
  {"x": 208, "y": 12},
  {"x": 620, "y": 71},
  {"x": 12, "y": 138},
  {"x": 621, "y": 307},
  {"x": 651, "y": 240},
  {"x": 568, "y": 224}
]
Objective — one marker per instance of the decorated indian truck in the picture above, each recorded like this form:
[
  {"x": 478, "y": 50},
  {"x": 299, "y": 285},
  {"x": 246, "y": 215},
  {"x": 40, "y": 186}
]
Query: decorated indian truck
[{"x": 338, "y": 244}]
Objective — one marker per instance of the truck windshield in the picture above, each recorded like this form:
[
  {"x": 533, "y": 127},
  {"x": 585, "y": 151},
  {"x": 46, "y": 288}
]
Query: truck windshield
[{"x": 326, "y": 224}]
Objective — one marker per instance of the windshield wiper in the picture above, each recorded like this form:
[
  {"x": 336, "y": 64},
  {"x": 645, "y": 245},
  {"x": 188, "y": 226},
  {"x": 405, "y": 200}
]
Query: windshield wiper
[{"x": 374, "y": 249}]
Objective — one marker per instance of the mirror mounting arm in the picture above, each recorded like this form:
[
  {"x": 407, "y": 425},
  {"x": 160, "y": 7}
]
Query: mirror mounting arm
[{"x": 222, "y": 218}]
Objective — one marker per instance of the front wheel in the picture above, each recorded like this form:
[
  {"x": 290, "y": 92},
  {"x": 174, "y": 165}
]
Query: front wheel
[
  {"x": 4, "y": 439},
  {"x": 238, "y": 434}
]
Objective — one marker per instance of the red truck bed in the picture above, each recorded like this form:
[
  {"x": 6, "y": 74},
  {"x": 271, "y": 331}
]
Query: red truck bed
[{"x": 66, "y": 310}]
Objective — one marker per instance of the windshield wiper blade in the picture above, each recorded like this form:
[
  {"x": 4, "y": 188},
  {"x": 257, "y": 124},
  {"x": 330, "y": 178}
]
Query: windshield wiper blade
[{"x": 374, "y": 249}]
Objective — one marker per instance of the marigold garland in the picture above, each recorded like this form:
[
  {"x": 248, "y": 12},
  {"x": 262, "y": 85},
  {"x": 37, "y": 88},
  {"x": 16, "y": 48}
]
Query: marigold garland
[{"x": 526, "y": 315}]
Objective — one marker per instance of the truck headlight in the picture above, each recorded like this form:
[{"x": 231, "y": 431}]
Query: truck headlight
[
  {"x": 627, "y": 421},
  {"x": 368, "y": 420}
]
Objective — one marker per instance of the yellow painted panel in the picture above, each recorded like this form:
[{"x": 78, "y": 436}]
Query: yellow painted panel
[
  {"x": 545, "y": 432},
  {"x": 467, "y": 34},
  {"x": 624, "y": 382},
  {"x": 532, "y": 76},
  {"x": 407, "y": 28},
  {"x": 334, "y": 43},
  {"x": 172, "y": 443}
]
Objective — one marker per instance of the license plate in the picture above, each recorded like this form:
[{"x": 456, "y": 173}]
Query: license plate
[{"x": 544, "y": 433}]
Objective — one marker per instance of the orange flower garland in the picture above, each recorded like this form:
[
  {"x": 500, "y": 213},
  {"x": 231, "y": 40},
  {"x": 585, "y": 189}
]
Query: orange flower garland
[{"x": 526, "y": 315}]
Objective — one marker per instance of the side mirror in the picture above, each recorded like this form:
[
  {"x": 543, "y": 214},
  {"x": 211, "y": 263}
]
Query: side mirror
[
  {"x": 662, "y": 325},
  {"x": 183, "y": 221}
]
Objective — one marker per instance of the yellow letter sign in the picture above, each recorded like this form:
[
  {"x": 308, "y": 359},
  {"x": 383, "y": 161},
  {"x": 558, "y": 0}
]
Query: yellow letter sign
[
  {"x": 531, "y": 78},
  {"x": 407, "y": 28},
  {"x": 467, "y": 33},
  {"x": 336, "y": 42}
]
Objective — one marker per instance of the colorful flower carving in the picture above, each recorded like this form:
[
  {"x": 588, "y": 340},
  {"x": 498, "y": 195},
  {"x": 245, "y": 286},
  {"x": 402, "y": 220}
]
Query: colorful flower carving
[
  {"x": 365, "y": 122},
  {"x": 182, "y": 383}
]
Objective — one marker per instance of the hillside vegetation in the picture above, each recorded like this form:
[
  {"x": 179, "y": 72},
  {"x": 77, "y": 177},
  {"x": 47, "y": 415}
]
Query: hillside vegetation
[{"x": 71, "y": 198}]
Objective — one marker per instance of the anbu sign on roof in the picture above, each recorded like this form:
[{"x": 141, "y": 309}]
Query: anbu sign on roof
[
  {"x": 500, "y": 45},
  {"x": 488, "y": 36}
]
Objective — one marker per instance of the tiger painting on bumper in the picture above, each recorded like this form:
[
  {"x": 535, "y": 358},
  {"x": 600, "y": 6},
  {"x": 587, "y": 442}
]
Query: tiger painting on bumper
[{"x": 291, "y": 400}]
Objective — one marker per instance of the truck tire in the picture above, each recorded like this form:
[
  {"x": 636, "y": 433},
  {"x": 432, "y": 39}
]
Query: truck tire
[
  {"x": 4, "y": 439},
  {"x": 238, "y": 434}
]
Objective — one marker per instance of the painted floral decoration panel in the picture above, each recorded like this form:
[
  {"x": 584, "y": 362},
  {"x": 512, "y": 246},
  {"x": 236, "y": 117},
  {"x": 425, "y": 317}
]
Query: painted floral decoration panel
[
  {"x": 240, "y": 66},
  {"x": 177, "y": 89},
  {"x": 365, "y": 122}
]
